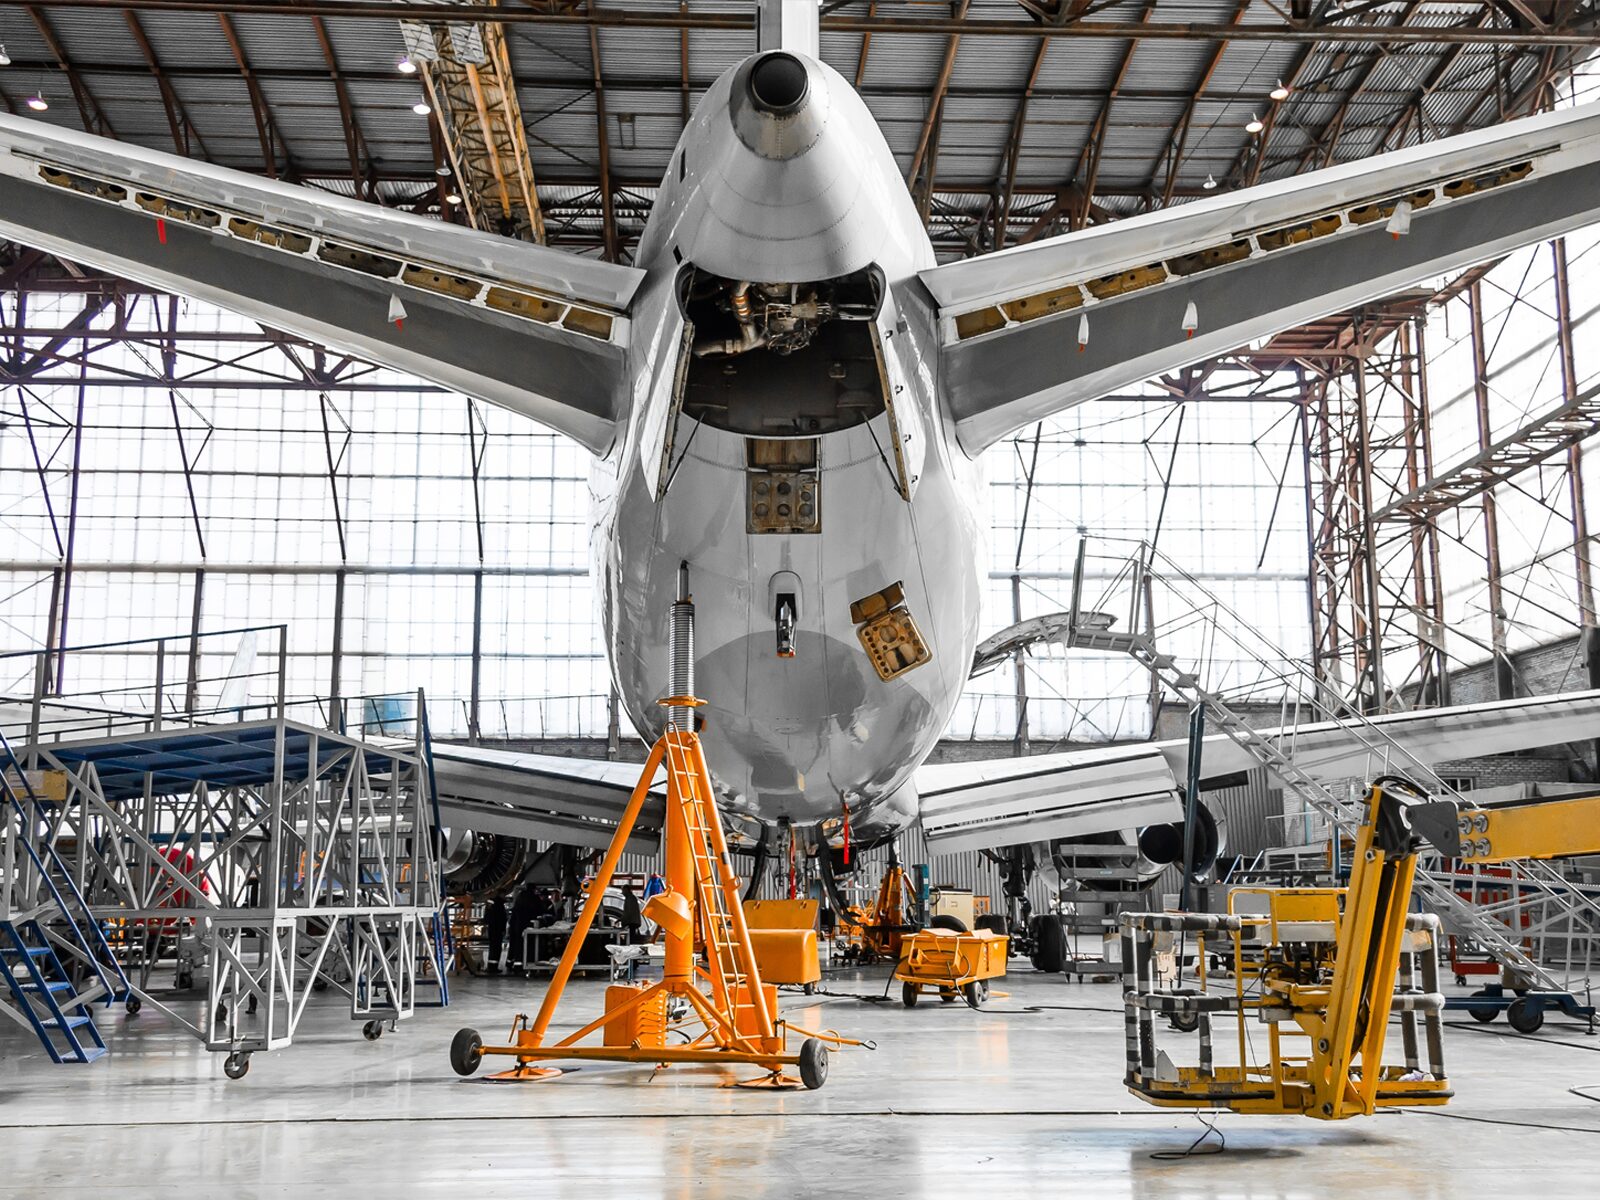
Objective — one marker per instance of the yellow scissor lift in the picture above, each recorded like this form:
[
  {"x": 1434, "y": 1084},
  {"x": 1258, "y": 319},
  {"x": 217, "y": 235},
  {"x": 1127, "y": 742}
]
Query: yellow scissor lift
[{"x": 1323, "y": 969}]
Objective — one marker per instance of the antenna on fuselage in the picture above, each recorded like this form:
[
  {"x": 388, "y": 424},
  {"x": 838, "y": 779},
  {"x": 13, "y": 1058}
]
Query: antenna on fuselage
[{"x": 789, "y": 25}]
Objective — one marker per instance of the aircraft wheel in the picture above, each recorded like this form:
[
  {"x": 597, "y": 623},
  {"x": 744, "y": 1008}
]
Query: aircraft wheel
[
  {"x": 1051, "y": 939},
  {"x": 813, "y": 1063},
  {"x": 947, "y": 922},
  {"x": 993, "y": 923},
  {"x": 466, "y": 1051}
]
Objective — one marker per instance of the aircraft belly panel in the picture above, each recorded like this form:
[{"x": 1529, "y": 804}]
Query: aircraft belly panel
[{"x": 791, "y": 737}]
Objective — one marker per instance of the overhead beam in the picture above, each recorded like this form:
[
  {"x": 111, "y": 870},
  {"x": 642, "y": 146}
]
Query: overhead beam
[
  {"x": 360, "y": 177},
  {"x": 266, "y": 128},
  {"x": 94, "y": 117},
  {"x": 936, "y": 101},
  {"x": 844, "y": 22},
  {"x": 185, "y": 137},
  {"x": 608, "y": 202}
]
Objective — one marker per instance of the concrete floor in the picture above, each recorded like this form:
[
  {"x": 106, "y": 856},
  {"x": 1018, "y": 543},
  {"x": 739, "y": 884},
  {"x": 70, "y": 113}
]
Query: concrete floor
[{"x": 1019, "y": 1099}]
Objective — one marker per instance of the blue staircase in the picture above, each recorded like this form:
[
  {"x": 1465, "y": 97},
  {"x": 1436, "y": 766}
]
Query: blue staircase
[{"x": 45, "y": 994}]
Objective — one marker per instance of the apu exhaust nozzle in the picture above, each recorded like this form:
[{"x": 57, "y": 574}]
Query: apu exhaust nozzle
[
  {"x": 779, "y": 104},
  {"x": 778, "y": 84}
]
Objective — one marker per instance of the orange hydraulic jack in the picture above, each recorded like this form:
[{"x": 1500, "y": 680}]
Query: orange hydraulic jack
[{"x": 700, "y": 907}]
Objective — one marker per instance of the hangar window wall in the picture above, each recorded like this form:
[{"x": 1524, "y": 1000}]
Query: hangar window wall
[
  {"x": 193, "y": 470},
  {"x": 284, "y": 486}
]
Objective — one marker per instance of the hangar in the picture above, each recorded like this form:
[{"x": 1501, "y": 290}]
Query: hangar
[{"x": 1012, "y": 576}]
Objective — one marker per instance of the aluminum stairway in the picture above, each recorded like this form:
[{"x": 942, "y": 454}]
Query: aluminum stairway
[
  {"x": 1193, "y": 615},
  {"x": 53, "y": 954}
]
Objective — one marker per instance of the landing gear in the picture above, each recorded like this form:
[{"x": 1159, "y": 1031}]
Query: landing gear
[
  {"x": 466, "y": 1052},
  {"x": 813, "y": 1063},
  {"x": 237, "y": 1065},
  {"x": 1049, "y": 945}
]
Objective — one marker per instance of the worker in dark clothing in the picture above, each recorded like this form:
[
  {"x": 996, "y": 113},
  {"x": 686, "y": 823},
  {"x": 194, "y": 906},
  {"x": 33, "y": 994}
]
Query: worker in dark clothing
[
  {"x": 494, "y": 930},
  {"x": 632, "y": 914},
  {"x": 524, "y": 912}
]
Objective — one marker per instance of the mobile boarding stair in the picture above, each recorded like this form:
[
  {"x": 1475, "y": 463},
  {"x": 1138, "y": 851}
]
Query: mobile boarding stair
[
  {"x": 53, "y": 954},
  {"x": 1197, "y": 649}
]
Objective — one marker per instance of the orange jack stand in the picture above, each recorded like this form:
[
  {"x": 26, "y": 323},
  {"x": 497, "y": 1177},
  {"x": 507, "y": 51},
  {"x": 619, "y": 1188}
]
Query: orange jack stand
[{"x": 700, "y": 908}]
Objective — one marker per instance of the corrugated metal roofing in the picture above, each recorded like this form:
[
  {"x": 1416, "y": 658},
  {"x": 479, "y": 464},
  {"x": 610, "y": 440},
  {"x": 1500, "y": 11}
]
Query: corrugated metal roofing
[{"x": 1351, "y": 97}]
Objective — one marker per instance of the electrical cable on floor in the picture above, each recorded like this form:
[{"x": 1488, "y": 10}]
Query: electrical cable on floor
[
  {"x": 1193, "y": 1150},
  {"x": 1449, "y": 1116},
  {"x": 1479, "y": 1027},
  {"x": 1069, "y": 1008}
]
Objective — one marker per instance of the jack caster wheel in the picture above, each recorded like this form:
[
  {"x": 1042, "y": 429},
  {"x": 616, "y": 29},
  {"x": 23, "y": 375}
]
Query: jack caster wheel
[
  {"x": 1185, "y": 1022},
  {"x": 466, "y": 1052},
  {"x": 134, "y": 1004},
  {"x": 1483, "y": 1014},
  {"x": 372, "y": 1030},
  {"x": 908, "y": 995},
  {"x": 237, "y": 1065},
  {"x": 1461, "y": 981},
  {"x": 813, "y": 1063},
  {"x": 1525, "y": 1014}
]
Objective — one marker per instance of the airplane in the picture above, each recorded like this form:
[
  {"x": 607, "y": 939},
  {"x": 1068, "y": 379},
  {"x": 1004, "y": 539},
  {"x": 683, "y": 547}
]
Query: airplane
[{"x": 787, "y": 393}]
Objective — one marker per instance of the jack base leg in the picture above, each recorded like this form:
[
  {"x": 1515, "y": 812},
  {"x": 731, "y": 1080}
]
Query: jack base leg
[
  {"x": 775, "y": 1082},
  {"x": 525, "y": 1073}
]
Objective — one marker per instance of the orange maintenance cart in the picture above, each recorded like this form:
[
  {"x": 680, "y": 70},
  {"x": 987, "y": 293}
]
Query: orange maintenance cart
[{"x": 954, "y": 963}]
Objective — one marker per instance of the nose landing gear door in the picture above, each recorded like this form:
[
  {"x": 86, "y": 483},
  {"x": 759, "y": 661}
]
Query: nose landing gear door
[{"x": 896, "y": 361}]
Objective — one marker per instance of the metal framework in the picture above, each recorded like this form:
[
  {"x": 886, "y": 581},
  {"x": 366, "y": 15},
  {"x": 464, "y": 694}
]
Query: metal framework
[{"x": 272, "y": 855}]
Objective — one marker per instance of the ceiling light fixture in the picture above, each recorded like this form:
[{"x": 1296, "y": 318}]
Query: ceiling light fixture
[
  {"x": 422, "y": 108},
  {"x": 1254, "y": 124},
  {"x": 406, "y": 67},
  {"x": 38, "y": 103},
  {"x": 1281, "y": 92},
  {"x": 5, "y": 59},
  {"x": 1210, "y": 184},
  {"x": 452, "y": 198},
  {"x": 442, "y": 170}
]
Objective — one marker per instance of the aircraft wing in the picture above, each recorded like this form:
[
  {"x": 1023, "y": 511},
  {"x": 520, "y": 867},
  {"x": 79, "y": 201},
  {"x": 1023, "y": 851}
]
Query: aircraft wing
[
  {"x": 543, "y": 797},
  {"x": 1004, "y": 802},
  {"x": 1251, "y": 263},
  {"x": 518, "y": 325}
]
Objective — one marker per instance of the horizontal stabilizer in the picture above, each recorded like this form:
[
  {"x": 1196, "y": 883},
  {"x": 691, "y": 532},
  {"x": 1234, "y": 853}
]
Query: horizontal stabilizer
[
  {"x": 532, "y": 329},
  {"x": 1030, "y": 331},
  {"x": 542, "y": 797},
  {"x": 978, "y": 805},
  {"x": 1005, "y": 802}
]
